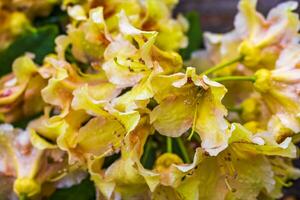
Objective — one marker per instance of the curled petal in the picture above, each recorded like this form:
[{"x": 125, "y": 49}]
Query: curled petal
[
  {"x": 211, "y": 124},
  {"x": 100, "y": 135},
  {"x": 173, "y": 116}
]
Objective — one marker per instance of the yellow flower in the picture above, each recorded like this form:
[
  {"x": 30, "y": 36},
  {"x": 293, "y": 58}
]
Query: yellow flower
[
  {"x": 88, "y": 38},
  {"x": 258, "y": 39},
  {"x": 28, "y": 165},
  {"x": 126, "y": 176},
  {"x": 231, "y": 171},
  {"x": 151, "y": 15},
  {"x": 20, "y": 90},
  {"x": 278, "y": 89},
  {"x": 131, "y": 55},
  {"x": 188, "y": 100}
]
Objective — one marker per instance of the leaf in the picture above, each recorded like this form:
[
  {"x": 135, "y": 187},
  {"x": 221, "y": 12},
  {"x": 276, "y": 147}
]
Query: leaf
[
  {"x": 110, "y": 160},
  {"x": 40, "y": 42},
  {"x": 194, "y": 34},
  {"x": 149, "y": 156},
  {"x": 25, "y": 121},
  {"x": 57, "y": 16},
  {"x": 83, "y": 191},
  {"x": 71, "y": 59}
]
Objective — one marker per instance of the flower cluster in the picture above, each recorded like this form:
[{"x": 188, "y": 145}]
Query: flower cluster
[{"x": 116, "y": 95}]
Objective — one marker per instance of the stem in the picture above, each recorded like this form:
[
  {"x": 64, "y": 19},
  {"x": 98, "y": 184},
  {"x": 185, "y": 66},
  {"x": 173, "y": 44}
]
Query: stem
[
  {"x": 289, "y": 184},
  {"x": 183, "y": 150},
  {"x": 238, "y": 110},
  {"x": 222, "y": 65},
  {"x": 197, "y": 138},
  {"x": 235, "y": 78},
  {"x": 147, "y": 151},
  {"x": 23, "y": 197},
  {"x": 169, "y": 144}
]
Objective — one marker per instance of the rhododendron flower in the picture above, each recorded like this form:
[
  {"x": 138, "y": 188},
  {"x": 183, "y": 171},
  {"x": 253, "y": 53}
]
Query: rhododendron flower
[
  {"x": 278, "y": 89},
  {"x": 20, "y": 90},
  {"x": 127, "y": 174},
  {"x": 125, "y": 65},
  {"x": 149, "y": 15},
  {"x": 188, "y": 100},
  {"x": 228, "y": 171},
  {"x": 88, "y": 39},
  {"x": 256, "y": 40},
  {"x": 29, "y": 166}
]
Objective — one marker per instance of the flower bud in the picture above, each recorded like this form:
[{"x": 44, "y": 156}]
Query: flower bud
[
  {"x": 251, "y": 54},
  {"x": 26, "y": 186},
  {"x": 166, "y": 160},
  {"x": 252, "y": 126},
  {"x": 250, "y": 109},
  {"x": 18, "y": 22},
  {"x": 263, "y": 80}
]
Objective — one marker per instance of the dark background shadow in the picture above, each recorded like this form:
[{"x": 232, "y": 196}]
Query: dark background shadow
[{"x": 218, "y": 15}]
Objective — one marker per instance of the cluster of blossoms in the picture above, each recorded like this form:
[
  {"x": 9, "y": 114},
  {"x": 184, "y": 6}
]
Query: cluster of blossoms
[{"x": 117, "y": 85}]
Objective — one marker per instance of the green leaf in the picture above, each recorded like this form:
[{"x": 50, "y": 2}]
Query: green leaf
[
  {"x": 25, "y": 121},
  {"x": 149, "y": 156},
  {"x": 83, "y": 191},
  {"x": 110, "y": 160},
  {"x": 194, "y": 34},
  {"x": 57, "y": 16},
  {"x": 71, "y": 59},
  {"x": 40, "y": 42}
]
